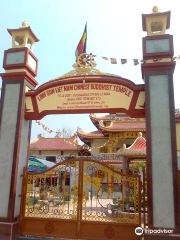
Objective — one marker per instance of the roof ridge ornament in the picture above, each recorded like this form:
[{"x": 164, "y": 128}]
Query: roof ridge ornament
[
  {"x": 155, "y": 9},
  {"x": 140, "y": 134},
  {"x": 79, "y": 130},
  {"x": 85, "y": 65},
  {"x": 101, "y": 123},
  {"x": 24, "y": 24},
  {"x": 92, "y": 115}
]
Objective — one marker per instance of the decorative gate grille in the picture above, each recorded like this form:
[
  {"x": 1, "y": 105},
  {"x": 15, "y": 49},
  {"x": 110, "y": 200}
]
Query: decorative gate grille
[{"x": 81, "y": 198}]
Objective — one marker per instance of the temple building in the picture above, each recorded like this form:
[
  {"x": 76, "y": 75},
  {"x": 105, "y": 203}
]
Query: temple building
[
  {"x": 117, "y": 136},
  {"x": 119, "y": 141},
  {"x": 113, "y": 131},
  {"x": 55, "y": 149}
]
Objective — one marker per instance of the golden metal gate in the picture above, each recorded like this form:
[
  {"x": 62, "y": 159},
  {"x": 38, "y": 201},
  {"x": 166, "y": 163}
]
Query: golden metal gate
[{"x": 81, "y": 198}]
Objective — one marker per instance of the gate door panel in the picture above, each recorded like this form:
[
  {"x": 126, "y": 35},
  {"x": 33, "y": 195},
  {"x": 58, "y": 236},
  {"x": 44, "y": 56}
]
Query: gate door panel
[
  {"x": 111, "y": 203},
  {"x": 51, "y": 201},
  {"x": 81, "y": 198}
]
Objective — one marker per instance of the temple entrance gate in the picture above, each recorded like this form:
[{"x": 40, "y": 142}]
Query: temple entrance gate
[
  {"x": 68, "y": 94},
  {"x": 96, "y": 202}
]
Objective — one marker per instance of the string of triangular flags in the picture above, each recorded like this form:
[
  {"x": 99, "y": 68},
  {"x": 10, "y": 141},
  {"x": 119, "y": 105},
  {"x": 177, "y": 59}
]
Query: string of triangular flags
[
  {"x": 46, "y": 128},
  {"x": 65, "y": 140},
  {"x": 85, "y": 147},
  {"x": 71, "y": 143},
  {"x": 135, "y": 61}
]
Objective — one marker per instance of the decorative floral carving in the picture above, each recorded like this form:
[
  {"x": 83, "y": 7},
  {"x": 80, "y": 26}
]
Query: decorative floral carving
[{"x": 103, "y": 149}]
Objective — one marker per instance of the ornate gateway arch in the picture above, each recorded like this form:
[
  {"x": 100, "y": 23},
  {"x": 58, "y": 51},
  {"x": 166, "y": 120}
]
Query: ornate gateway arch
[
  {"x": 86, "y": 94},
  {"x": 84, "y": 90}
]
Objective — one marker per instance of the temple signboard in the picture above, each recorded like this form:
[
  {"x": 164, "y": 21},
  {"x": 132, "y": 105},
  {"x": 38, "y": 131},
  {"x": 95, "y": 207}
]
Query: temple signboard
[
  {"x": 93, "y": 95},
  {"x": 84, "y": 96}
]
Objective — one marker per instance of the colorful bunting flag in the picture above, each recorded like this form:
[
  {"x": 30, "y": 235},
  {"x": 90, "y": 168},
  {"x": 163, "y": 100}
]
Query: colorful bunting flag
[
  {"x": 123, "y": 61},
  {"x": 44, "y": 127},
  {"x": 113, "y": 60},
  {"x": 136, "y": 62},
  {"x": 174, "y": 58},
  {"x": 105, "y": 58}
]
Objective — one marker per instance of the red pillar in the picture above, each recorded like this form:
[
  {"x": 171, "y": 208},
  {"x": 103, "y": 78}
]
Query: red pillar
[
  {"x": 15, "y": 132},
  {"x": 162, "y": 169}
]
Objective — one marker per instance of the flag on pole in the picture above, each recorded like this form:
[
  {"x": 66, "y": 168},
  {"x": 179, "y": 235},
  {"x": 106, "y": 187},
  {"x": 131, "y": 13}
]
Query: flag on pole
[{"x": 81, "y": 47}]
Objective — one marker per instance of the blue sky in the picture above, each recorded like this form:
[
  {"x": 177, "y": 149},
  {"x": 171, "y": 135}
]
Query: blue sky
[{"x": 114, "y": 30}]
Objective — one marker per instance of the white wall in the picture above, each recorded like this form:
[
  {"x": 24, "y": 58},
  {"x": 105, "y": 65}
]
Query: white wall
[
  {"x": 7, "y": 140},
  {"x": 162, "y": 175},
  {"x": 98, "y": 143}
]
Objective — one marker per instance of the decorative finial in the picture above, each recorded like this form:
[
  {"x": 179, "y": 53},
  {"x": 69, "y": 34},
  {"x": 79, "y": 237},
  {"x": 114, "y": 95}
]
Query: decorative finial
[
  {"x": 155, "y": 9},
  {"x": 124, "y": 145},
  {"x": 140, "y": 134},
  {"x": 24, "y": 24},
  {"x": 85, "y": 65}
]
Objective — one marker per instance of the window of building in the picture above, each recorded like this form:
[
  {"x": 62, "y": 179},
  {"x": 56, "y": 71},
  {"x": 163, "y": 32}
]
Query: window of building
[
  {"x": 67, "y": 181},
  {"x": 51, "y": 158}
]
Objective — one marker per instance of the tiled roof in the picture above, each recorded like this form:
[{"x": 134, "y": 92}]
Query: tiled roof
[
  {"x": 137, "y": 148},
  {"x": 54, "y": 144},
  {"x": 106, "y": 118},
  {"x": 177, "y": 117},
  {"x": 86, "y": 137},
  {"x": 139, "y": 145},
  {"x": 95, "y": 134},
  {"x": 113, "y": 118},
  {"x": 95, "y": 118},
  {"x": 124, "y": 126}
]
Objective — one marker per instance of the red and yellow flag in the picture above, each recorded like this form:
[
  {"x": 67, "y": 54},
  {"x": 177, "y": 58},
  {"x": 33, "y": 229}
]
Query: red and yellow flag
[{"x": 81, "y": 47}]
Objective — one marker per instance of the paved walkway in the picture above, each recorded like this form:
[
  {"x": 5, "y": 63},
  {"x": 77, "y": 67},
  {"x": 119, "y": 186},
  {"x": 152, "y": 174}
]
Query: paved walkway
[{"x": 34, "y": 238}]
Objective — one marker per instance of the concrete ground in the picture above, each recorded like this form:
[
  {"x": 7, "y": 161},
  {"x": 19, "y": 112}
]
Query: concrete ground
[{"x": 33, "y": 238}]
